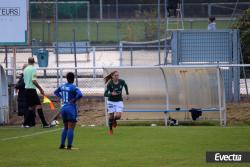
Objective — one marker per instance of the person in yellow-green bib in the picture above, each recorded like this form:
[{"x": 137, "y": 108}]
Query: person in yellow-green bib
[{"x": 31, "y": 84}]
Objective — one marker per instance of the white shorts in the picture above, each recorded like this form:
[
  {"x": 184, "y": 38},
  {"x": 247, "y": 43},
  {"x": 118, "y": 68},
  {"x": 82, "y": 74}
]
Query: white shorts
[{"x": 115, "y": 106}]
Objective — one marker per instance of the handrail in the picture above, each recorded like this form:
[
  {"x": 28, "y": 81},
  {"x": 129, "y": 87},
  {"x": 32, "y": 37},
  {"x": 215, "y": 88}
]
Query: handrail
[{"x": 131, "y": 67}]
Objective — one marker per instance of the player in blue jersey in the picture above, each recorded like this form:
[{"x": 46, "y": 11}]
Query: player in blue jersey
[{"x": 69, "y": 94}]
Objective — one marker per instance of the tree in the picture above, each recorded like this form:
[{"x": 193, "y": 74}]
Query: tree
[
  {"x": 243, "y": 24},
  {"x": 150, "y": 24}
]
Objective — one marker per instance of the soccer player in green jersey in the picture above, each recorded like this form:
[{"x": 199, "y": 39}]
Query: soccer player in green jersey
[{"x": 115, "y": 100}]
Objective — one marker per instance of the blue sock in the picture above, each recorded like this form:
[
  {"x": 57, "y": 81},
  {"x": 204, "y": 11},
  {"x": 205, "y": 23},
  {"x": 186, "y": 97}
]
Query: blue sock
[
  {"x": 70, "y": 136},
  {"x": 63, "y": 136}
]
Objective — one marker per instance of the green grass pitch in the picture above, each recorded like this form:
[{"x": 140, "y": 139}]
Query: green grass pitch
[
  {"x": 128, "y": 147},
  {"x": 108, "y": 30}
]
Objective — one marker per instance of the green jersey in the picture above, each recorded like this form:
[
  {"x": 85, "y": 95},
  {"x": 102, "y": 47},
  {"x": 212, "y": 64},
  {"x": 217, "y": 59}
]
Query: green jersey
[
  {"x": 29, "y": 75},
  {"x": 112, "y": 87}
]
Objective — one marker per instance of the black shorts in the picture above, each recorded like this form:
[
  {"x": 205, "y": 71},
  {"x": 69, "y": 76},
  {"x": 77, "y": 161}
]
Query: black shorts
[{"x": 32, "y": 97}]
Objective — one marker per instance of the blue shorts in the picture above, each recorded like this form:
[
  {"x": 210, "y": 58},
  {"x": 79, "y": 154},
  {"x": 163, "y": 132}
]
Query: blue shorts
[{"x": 69, "y": 113}]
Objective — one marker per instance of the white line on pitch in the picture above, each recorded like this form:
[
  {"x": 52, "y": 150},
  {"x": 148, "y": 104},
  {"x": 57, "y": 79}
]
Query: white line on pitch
[{"x": 29, "y": 135}]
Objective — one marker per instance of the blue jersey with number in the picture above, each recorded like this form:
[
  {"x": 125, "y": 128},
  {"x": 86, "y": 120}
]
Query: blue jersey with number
[{"x": 69, "y": 94}]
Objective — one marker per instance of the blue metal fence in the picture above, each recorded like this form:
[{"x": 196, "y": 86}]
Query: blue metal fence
[{"x": 210, "y": 47}]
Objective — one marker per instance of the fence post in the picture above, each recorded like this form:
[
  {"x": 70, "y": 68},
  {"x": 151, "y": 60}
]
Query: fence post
[
  {"x": 117, "y": 21},
  {"x": 48, "y": 22},
  {"x": 94, "y": 63},
  {"x": 159, "y": 31},
  {"x": 131, "y": 56},
  {"x": 56, "y": 37},
  {"x": 74, "y": 45},
  {"x": 108, "y": 6},
  {"x": 191, "y": 23},
  {"x": 209, "y": 10},
  {"x": 6, "y": 56},
  {"x": 165, "y": 31},
  {"x": 145, "y": 30},
  {"x": 14, "y": 65},
  {"x": 61, "y": 76},
  {"x": 236, "y": 59},
  {"x": 30, "y": 29},
  {"x": 121, "y": 50},
  {"x": 88, "y": 21},
  {"x": 97, "y": 30},
  {"x": 139, "y": 8},
  {"x": 101, "y": 11},
  {"x": 183, "y": 10}
]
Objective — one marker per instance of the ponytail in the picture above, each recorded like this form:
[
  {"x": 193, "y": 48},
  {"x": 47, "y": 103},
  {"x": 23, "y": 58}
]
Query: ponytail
[{"x": 109, "y": 77}]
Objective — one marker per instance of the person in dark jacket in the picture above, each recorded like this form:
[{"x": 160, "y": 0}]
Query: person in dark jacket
[
  {"x": 173, "y": 5},
  {"x": 29, "y": 118},
  {"x": 20, "y": 87}
]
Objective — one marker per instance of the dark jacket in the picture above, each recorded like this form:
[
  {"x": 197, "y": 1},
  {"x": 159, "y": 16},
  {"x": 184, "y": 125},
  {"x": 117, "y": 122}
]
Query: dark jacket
[{"x": 21, "y": 98}]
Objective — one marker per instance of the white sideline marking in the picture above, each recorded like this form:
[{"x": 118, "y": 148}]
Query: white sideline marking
[{"x": 29, "y": 135}]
